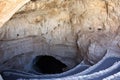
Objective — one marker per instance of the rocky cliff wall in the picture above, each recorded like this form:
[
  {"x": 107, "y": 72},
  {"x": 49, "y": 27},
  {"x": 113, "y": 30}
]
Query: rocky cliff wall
[{"x": 72, "y": 30}]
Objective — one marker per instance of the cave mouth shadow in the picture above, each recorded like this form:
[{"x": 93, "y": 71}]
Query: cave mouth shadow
[{"x": 48, "y": 65}]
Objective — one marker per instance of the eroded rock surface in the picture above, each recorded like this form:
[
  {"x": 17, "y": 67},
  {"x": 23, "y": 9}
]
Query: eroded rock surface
[
  {"x": 71, "y": 30},
  {"x": 8, "y": 8}
]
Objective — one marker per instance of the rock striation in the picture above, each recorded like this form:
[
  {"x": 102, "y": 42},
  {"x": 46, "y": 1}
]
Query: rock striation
[{"x": 70, "y": 30}]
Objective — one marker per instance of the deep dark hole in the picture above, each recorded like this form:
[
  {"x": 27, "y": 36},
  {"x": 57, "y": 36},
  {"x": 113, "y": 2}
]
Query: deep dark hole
[{"x": 48, "y": 65}]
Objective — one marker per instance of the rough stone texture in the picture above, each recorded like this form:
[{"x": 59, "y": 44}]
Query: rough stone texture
[
  {"x": 72, "y": 30},
  {"x": 23, "y": 52},
  {"x": 8, "y": 8}
]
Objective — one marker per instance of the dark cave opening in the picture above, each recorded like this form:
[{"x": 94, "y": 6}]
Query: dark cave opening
[{"x": 48, "y": 65}]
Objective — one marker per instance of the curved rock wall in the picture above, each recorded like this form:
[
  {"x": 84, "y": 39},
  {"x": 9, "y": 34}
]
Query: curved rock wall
[{"x": 72, "y": 29}]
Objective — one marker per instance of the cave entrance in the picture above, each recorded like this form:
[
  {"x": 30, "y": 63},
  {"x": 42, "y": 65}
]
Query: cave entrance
[{"x": 48, "y": 65}]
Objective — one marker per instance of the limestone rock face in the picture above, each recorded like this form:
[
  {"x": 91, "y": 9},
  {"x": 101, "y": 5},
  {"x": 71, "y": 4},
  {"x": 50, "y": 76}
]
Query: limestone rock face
[{"x": 71, "y": 31}]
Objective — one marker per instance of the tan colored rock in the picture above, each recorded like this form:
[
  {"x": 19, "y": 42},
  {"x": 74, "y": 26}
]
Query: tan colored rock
[
  {"x": 8, "y": 8},
  {"x": 73, "y": 29}
]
